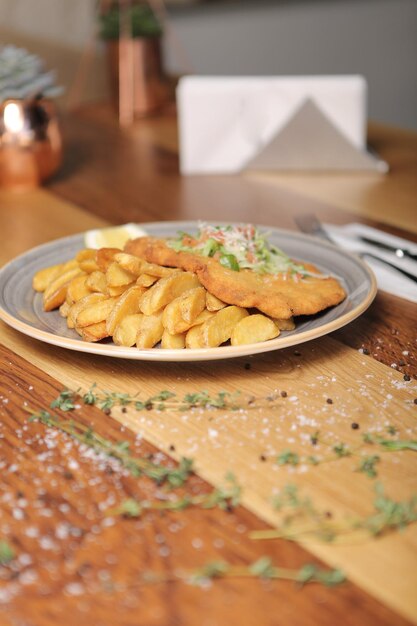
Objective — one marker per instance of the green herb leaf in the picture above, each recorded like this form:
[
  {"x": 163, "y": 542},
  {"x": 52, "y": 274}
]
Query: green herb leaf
[
  {"x": 7, "y": 553},
  {"x": 367, "y": 465},
  {"x": 287, "y": 457},
  {"x": 65, "y": 401},
  {"x": 229, "y": 261},
  {"x": 263, "y": 568}
]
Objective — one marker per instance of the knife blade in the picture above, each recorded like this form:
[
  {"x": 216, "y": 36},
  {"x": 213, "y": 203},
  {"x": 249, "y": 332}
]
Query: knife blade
[{"x": 399, "y": 252}]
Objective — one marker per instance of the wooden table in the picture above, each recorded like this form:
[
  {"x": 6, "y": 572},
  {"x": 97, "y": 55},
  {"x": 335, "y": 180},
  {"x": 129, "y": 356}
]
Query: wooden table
[{"x": 74, "y": 563}]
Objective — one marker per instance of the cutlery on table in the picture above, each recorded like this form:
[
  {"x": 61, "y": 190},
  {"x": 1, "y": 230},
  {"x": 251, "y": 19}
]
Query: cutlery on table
[
  {"x": 399, "y": 252},
  {"x": 310, "y": 225}
]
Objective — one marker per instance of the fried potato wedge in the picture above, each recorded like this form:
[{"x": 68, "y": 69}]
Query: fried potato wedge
[
  {"x": 127, "y": 304},
  {"x": 64, "y": 309},
  {"x": 213, "y": 303},
  {"x": 166, "y": 290},
  {"x": 77, "y": 289},
  {"x": 77, "y": 307},
  {"x": 179, "y": 314},
  {"x": 159, "y": 270},
  {"x": 96, "y": 281},
  {"x": 130, "y": 263},
  {"x": 194, "y": 338},
  {"x": 95, "y": 313},
  {"x": 150, "y": 331},
  {"x": 192, "y": 303},
  {"x": 45, "y": 276},
  {"x": 253, "y": 329},
  {"x": 118, "y": 291},
  {"x": 146, "y": 280},
  {"x": 87, "y": 260},
  {"x": 288, "y": 324},
  {"x": 116, "y": 276},
  {"x": 125, "y": 333},
  {"x": 105, "y": 256},
  {"x": 204, "y": 315},
  {"x": 94, "y": 332},
  {"x": 172, "y": 342},
  {"x": 219, "y": 328},
  {"x": 55, "y": 294}
]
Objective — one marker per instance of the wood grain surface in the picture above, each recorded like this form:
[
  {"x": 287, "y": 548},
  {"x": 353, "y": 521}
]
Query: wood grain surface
[{"x": 76, "y": 565}]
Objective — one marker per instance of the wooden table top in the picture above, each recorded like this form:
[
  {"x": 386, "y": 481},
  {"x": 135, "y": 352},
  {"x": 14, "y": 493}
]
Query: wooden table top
[{"x": 67, "y": 556}]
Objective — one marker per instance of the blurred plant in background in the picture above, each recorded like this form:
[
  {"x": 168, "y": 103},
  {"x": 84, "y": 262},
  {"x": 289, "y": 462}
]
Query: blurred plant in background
[
  {"x": 23, "y": 76},
  {"x": 141, "y": 18}
]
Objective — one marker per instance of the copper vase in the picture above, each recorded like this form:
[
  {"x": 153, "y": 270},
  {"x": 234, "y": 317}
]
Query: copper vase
[
  {"x": 146, "y": 86},
  {"x": 30, "y": 142}
]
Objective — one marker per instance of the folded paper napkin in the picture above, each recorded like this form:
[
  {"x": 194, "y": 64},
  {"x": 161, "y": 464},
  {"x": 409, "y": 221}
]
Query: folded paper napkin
[{"x": 388, "y": 279}]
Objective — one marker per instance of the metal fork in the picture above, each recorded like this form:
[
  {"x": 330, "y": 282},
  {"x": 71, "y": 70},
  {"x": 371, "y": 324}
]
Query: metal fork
[{"x": 309, "y": 224}]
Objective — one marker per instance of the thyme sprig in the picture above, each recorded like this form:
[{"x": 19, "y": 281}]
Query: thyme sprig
[
  {"x": 137, "y": 466},
  {"x": 225, "y": 498},
  {"x": 161, "y": 401},
  {"x": 263, "y": 568},
  {"x": 340, "y": 450},
  {"x": 303, "y": 520}
]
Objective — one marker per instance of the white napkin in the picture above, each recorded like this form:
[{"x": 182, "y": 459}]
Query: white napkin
[{"x": 388, "y": 279}]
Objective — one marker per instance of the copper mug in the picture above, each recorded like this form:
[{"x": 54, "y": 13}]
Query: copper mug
[{"x": 30, "y": 142}]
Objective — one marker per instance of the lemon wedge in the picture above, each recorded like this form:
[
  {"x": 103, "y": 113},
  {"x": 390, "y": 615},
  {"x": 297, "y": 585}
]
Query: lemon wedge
[{"x": 112, "y": 237}]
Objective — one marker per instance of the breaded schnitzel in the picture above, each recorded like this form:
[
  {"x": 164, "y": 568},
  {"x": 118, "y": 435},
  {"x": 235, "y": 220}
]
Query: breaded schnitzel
[{"x": 279, "y": 295}]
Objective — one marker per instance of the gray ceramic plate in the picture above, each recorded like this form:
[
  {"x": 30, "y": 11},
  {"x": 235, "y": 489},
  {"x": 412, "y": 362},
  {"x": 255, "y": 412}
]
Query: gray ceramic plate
[{"x": 21, "y": 307}]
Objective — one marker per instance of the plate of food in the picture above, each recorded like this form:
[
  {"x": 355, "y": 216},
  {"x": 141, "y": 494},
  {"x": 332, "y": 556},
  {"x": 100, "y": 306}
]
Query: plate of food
[{"x": 184, "y": 291}]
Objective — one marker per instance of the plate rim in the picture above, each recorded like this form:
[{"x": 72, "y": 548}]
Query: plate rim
[{"x": 199, "y": 354}]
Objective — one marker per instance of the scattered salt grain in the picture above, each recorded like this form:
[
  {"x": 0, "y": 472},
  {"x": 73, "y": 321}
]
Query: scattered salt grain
[{"x": 74, "y": 589}]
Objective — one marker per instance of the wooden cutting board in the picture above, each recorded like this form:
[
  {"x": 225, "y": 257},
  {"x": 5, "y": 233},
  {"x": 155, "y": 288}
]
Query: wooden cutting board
[{"x": 361, "y": 390}]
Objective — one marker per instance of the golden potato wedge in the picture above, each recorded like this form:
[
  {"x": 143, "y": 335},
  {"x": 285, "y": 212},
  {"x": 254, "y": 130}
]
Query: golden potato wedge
[
  {"x": 95, "y": 313},
  {"x": 179, "y": 314},
  {"x": 84, "y": 254},
  {"x": 253, "y": 329},
  {"x": 150, "y": 331},
  {"x": 129, "y": 263},
  {"x": 172, "y": 342},
  {"x": 127, "y": 304},
  {"x": 105, "y": 256},
  {"x": 192, "y": 303},
  {"x": 96, "y": 281},
  {"x": 77, "y": 307},
  {"x": 204, "y": 315},
  {"x": 146, "y": 280},
  {"x": 218, "y": 328},
  {"x": 45, "y": 276},
  {"x": 213, "y": 303},
  {"x": 89, "y": 266},
  {"x": 288, "y": 324},
  {"x": 55, "y": 294},
  {"x": 125, "y": 333},
  {"x": 194, "y": 338},
  {"x": 94, "y": 332},
  {"x": 117, "y": 291},
  {"x": 167, "y": 289},
  {"x": 159, "y": 270},
  {"x": 77, "y": 289},
  {"x": 116, "y": 276},
  {"x": 64, "y": 309},
  {"x": 86, "y": 259}
]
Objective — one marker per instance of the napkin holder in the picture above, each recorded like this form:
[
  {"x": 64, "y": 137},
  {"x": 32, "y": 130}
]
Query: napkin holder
[
  {"x": 218, "y": 139},
  {"x": 309, "y": 141}
]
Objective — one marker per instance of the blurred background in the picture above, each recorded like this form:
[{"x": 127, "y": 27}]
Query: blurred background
[{"x": 375, "y": 38}]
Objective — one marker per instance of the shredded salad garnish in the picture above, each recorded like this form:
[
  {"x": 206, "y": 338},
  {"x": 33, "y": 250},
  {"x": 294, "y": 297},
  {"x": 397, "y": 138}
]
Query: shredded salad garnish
[{"x": 240, "y": 247}]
